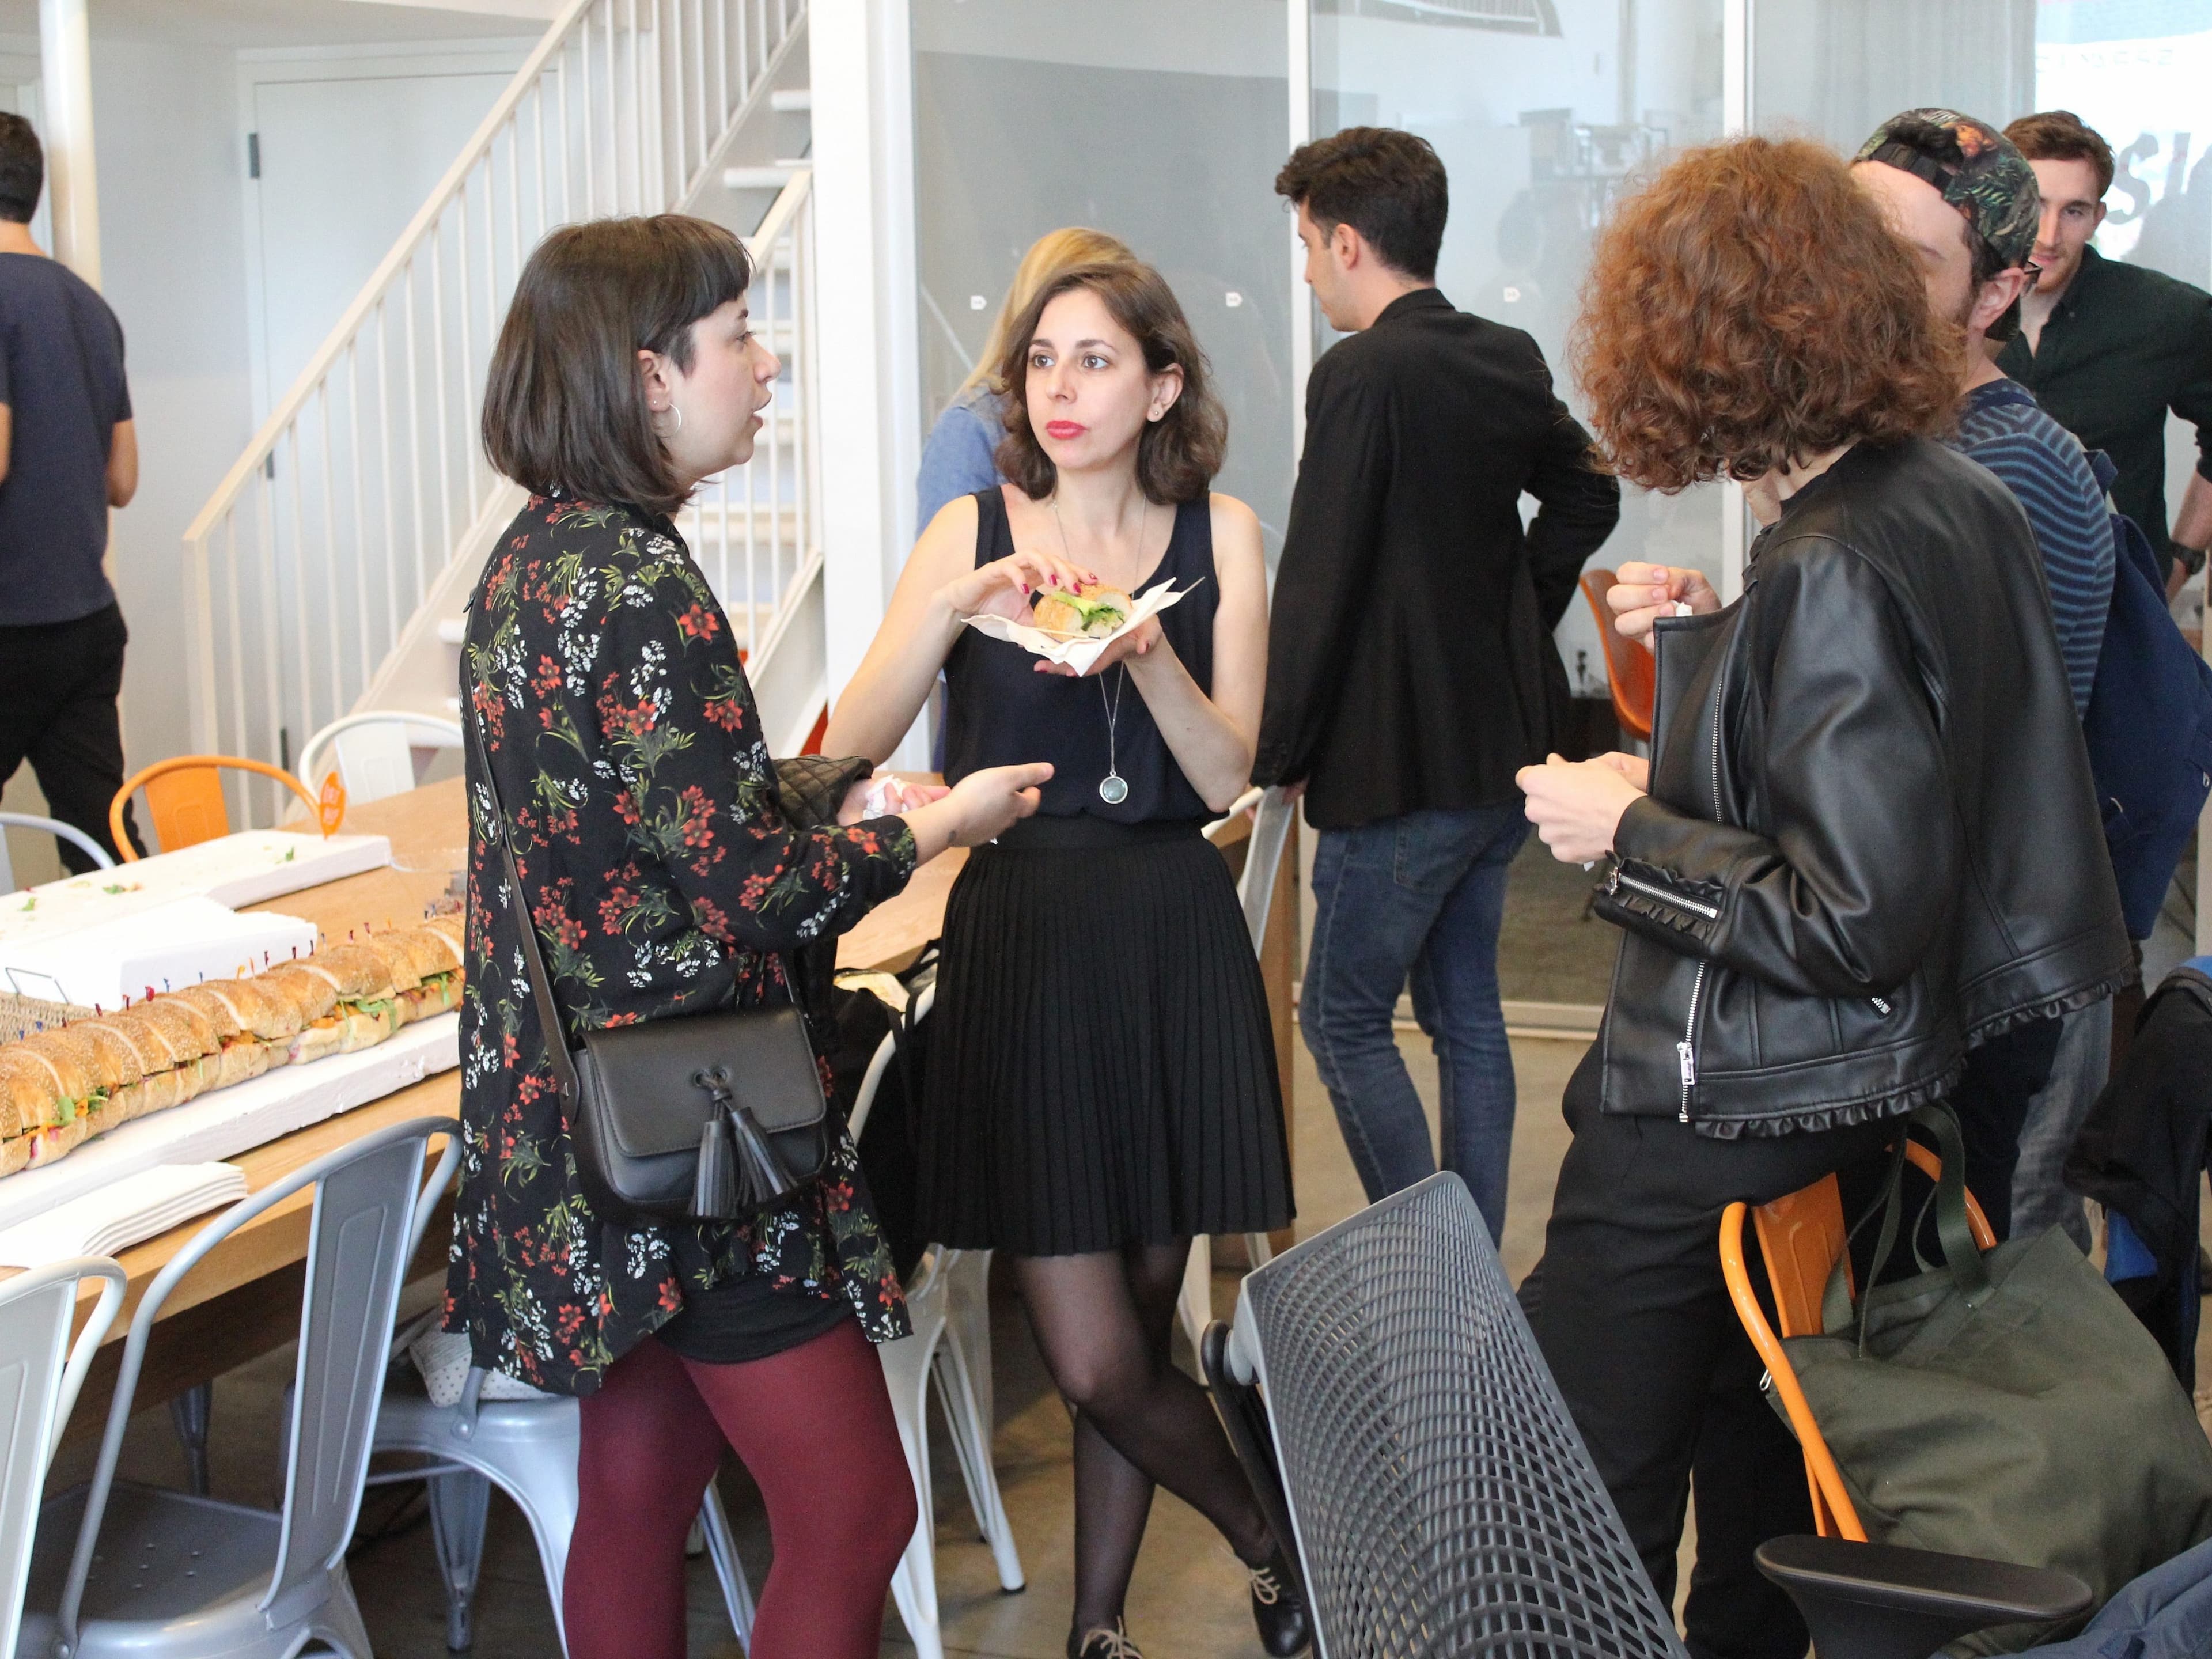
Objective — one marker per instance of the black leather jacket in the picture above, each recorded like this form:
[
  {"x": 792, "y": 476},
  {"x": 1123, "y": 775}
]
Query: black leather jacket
[{"x": 1871, "y": 839}]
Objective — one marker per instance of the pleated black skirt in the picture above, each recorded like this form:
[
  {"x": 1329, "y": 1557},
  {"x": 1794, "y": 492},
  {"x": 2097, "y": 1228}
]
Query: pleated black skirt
[{"x": 1101, "y": 1070}]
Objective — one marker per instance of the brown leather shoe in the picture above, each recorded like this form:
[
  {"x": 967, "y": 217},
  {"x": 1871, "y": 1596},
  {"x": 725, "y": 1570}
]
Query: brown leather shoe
[{"x": 1103, "y": 1643}]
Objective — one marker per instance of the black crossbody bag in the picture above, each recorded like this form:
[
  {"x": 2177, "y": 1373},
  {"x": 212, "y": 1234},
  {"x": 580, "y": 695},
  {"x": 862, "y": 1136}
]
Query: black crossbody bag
[{"x": 712, "y": 1116}]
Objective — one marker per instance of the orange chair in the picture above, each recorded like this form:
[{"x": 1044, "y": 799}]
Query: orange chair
[
  {"x": 184, "y": 796},
  {"x": 1800, "y": 1236},
  {"x": 1629, "y": 669}
]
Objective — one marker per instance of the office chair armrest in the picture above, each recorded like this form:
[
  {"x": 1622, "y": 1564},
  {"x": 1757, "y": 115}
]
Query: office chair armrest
[
  {"x": 1879, "y": 1602},
  {"x": 1244, "y": 1415}
]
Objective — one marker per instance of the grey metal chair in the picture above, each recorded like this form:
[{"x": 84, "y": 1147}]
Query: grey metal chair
[
  {"x": 1388, "y": 1399},
  {"x": 54, "y": 827},
  {"x": 1272, "y": 811},
  {"x": 949, "y": 1350},
  {"x": 528, "y": 1449},
  {"x": 121, "y": 1569},
  {"x": 40, "y": 1373},
  {"x": 375, "y": 751}
]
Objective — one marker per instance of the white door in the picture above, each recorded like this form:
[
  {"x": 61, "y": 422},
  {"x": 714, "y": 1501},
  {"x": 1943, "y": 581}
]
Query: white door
[{"x": 344, "y": 164}]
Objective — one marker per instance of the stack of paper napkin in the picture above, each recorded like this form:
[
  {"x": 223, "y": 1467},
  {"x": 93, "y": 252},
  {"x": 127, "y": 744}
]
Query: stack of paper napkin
[{"x": 121, "y": 1213}]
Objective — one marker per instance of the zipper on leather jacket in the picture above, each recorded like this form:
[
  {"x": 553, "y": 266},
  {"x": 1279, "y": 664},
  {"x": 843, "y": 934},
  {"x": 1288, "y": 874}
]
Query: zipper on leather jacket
[
  {"x": 1665, "y": 895},
  {"x": 1686, "y": 1049}
]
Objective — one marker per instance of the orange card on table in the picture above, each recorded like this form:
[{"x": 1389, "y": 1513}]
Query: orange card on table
[{"x": 329, "y": 810}]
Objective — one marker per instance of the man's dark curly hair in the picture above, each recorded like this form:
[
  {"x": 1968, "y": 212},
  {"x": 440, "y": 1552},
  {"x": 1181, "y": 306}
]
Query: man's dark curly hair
[{"x": 1387, "y": 184}]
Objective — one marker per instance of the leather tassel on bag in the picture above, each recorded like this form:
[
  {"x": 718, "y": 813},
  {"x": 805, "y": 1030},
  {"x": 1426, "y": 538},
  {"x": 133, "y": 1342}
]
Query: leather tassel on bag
[
  {"x": 714, "y": 1188},
  {"x": 760, "y": 1174}
]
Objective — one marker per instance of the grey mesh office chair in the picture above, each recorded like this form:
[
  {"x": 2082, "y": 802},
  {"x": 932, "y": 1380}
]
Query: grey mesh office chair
[
  {"x": 1390, "y": 1400},
  {"x": 120, "y": 1568}
]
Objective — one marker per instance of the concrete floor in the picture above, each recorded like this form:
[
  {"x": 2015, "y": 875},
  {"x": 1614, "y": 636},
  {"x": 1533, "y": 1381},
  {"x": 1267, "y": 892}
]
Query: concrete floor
[{"x": 1188, "y": 1601}]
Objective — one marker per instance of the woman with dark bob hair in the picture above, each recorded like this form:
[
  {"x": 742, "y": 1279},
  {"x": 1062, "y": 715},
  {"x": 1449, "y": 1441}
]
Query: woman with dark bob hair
[
  {"x": 663, "y": 877},
  {"x": 1102, "y": 1078},
  {"x": 1866, "y": 840}
]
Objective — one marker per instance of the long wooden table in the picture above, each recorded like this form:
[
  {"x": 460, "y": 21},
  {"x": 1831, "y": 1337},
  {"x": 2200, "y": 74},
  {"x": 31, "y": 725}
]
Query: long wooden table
[{"x": 243, "y": 1300}]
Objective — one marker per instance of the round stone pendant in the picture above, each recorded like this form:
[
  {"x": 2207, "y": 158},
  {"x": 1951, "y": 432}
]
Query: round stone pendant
[{"x": 1113, "y": 789}]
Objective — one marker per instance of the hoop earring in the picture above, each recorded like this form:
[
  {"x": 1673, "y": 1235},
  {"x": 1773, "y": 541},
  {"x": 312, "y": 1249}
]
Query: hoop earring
[{"x": 677, "y": 410}]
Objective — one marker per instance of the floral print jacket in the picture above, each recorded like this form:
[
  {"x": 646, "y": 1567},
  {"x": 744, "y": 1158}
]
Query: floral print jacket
[{"x": 662, "y": 880}]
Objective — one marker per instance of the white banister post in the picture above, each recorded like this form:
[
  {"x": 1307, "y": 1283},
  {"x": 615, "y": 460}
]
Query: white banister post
[
  {"x": 72, "y": 184},
  {"x": 867, "y": 340}
]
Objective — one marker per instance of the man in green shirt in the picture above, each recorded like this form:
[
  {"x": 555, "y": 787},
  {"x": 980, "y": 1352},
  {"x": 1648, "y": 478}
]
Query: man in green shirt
[{"x": 2107, "y": 348}]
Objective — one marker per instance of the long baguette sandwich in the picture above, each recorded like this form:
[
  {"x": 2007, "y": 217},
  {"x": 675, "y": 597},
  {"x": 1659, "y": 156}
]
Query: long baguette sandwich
[
  {"x": 311, "y": 1004},
  {"x": 62, "y": 1085},
  {"x": 57, "y": 1095},
  {"x": 425, "y": 964},
  {"x": 368, "y": 1000}
]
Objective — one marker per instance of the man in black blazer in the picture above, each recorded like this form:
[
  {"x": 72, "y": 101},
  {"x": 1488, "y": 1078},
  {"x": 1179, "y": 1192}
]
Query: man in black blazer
[{"x": 1411, "y": 669}]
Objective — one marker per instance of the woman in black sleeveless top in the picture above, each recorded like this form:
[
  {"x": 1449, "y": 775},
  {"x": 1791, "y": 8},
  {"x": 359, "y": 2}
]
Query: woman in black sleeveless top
[{"x": 1101, "y": 1081}]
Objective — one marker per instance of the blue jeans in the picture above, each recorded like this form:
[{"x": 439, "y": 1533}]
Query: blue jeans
[{"x": 1420, "y": 896}]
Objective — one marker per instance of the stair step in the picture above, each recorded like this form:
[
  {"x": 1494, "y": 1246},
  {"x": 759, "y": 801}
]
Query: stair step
[
  {"x": 775, "y": 176},
  {"x": 793, "y": 101},
  {"x": 452, "y": 630}
]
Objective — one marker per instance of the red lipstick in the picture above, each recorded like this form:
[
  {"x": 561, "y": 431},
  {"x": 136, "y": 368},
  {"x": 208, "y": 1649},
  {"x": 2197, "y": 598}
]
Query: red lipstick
[{"x": 1064, "y": 429}]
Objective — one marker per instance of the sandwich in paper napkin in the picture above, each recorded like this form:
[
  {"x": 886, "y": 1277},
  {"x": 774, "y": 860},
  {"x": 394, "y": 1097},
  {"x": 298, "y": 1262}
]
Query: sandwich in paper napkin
[{"x": 1079, "y": 653}]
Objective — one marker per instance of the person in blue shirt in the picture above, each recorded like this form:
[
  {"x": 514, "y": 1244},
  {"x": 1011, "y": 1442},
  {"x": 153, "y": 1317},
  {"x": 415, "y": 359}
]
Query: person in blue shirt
[
  {"x": 1966, "y": 200},
  {"x": 68, "y": 453},
  {"x": 960, "y": 455}
]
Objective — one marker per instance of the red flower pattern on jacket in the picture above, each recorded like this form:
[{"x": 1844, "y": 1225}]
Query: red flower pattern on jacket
[{"x": 662, "y": 879}]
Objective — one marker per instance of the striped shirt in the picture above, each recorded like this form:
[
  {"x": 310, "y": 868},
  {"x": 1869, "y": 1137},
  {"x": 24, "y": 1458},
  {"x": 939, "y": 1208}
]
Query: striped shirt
[{"x": 2002, "y": 425}]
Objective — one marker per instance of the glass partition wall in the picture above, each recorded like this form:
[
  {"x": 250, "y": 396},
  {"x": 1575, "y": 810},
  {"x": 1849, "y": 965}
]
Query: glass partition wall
[
  {"x": 1160, "y": 121},
  {"x": 1163, "y": 122},
  {"x": 2134, "y": 69},
  {"x": 1543, "y": 111}
]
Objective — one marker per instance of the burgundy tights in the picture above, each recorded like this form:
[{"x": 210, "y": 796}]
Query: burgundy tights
[{"x": 814, "y": 1428}]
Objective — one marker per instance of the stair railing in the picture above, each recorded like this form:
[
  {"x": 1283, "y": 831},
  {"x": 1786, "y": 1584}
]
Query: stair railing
[
  {"x": 751, "y": 529},
  {"x": 311, "y": 556}
]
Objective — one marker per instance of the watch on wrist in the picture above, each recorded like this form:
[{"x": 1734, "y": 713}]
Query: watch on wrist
[{"x": 2192, "y": 559}]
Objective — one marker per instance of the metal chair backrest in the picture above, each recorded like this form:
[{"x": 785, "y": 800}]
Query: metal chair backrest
[
  {"x": 1630, "y": 672},
  {"x": 360, "y": 1237},
  {"x": 375, "y": 751},
  {"x": 1443, "y": 1501},
  {"x": 39, "y": 1376},
  {"x": 1271, "y": 812},
  {"x": 183, "y": 795},
  {"x": 1801, "y": 1236},
  {"x": 1263, "y": 857},
  {"x": 68, "y": 832}
]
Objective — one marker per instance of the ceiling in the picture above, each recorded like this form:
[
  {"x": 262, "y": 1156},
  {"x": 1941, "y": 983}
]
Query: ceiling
[{"x": 245, "y": 23}]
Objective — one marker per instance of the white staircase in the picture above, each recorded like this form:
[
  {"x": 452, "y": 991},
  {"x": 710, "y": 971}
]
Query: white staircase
[{"x": 330, "y": 569}]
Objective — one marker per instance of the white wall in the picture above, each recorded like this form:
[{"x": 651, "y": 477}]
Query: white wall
[
  {"x": 172, "y": 245},
  {"x": 173, "y": 253},
  {"x": 169, "y": 129}
]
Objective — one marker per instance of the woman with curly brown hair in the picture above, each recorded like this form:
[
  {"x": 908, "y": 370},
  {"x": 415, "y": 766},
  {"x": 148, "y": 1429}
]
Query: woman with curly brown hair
[
  {"x": 1835, "y": 875},
  {"x": 1101, "y": 1079}
]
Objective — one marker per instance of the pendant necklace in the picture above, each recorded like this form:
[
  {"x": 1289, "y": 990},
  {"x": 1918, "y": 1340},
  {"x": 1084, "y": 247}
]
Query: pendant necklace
[{"x": 1113, "y": 788}]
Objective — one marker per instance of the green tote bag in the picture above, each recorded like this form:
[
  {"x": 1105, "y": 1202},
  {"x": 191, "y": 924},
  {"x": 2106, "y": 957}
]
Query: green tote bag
[{"x": 2006, "y": 1405}]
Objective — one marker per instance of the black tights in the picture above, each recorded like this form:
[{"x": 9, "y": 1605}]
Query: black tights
[{"x": 1104, "y": 1322}]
